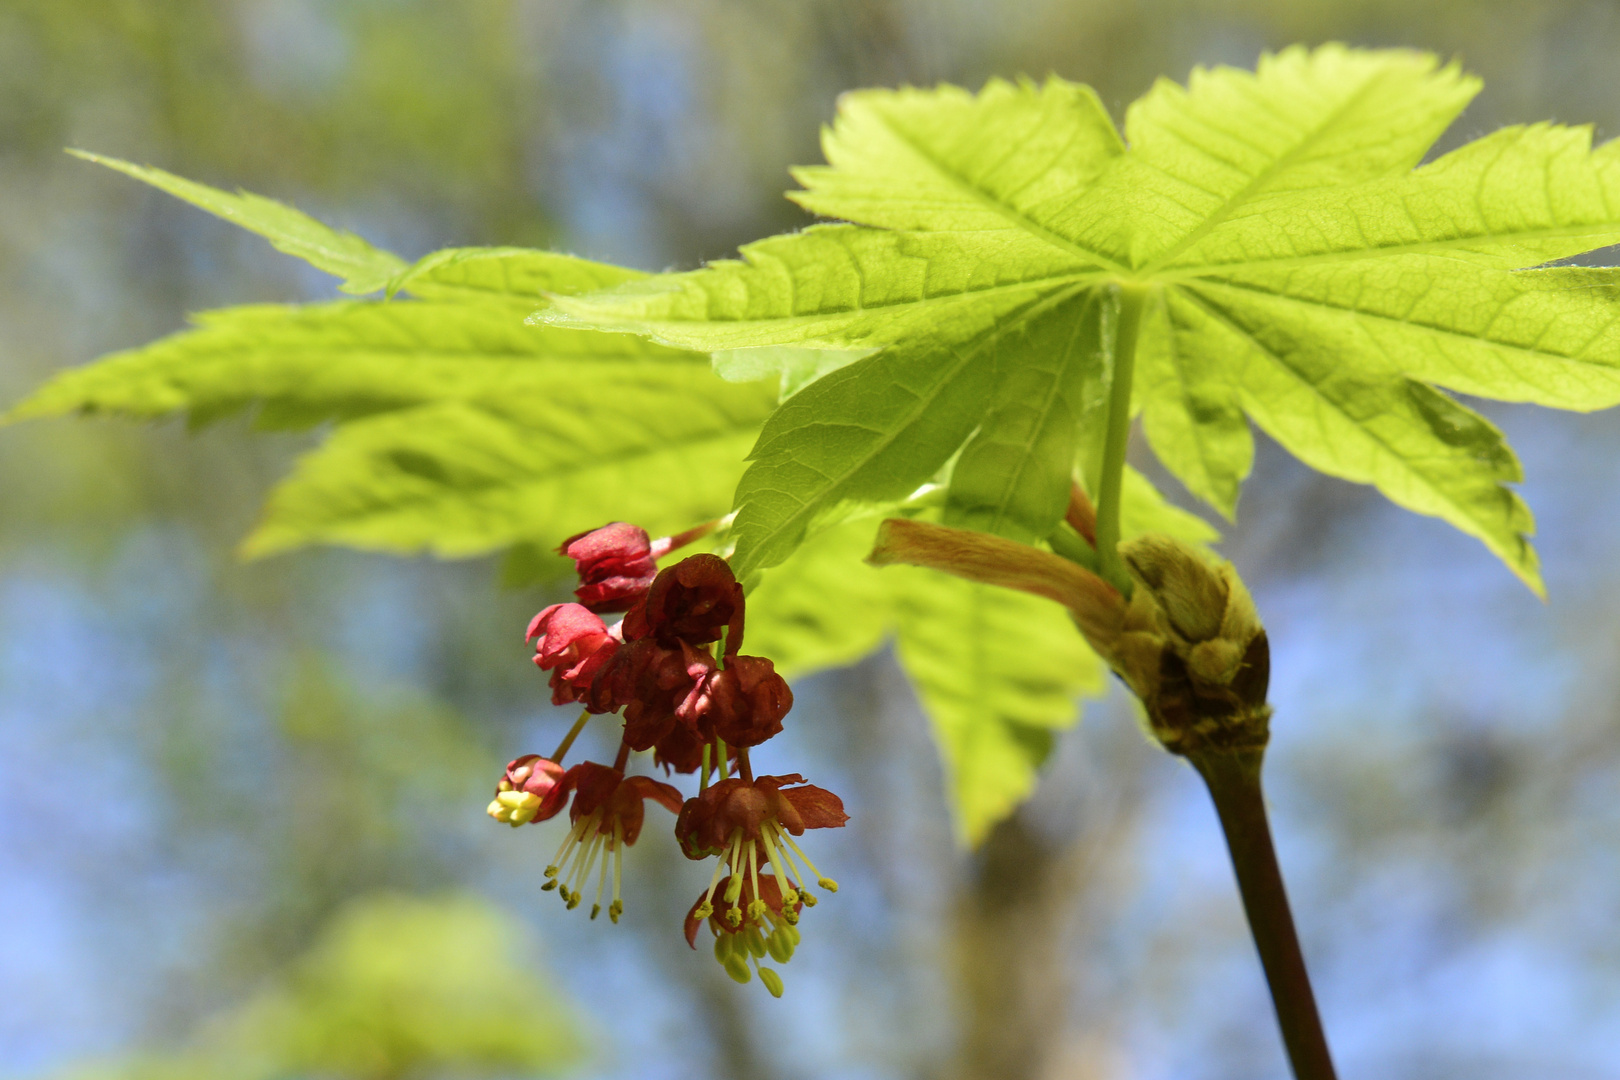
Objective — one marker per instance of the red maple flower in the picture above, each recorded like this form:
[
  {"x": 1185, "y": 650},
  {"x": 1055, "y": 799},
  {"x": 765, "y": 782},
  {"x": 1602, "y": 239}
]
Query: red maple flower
[
  {"x": 575, "y": 645},
  {"x": 742, "y": 703},
  {"x": 616, "y": 564},
  {"x": 608, "y": 811},
  {"x": 522, "y": 790},
  {"x": 692, "y": 601},
  {"x": 750, "y": 824}
]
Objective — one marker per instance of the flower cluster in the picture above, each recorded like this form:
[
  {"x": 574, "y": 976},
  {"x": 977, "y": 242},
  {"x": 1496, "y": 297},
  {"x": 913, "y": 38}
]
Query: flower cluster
[{"x": 673, "y": 670}]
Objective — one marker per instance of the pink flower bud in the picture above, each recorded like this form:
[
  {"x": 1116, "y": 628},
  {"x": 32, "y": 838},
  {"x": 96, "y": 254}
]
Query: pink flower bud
[{"x": 616, "y": 564}]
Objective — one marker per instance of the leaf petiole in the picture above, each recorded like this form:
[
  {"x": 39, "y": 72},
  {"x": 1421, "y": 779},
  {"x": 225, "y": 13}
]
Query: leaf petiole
[{"x": 1132, "y": 298}]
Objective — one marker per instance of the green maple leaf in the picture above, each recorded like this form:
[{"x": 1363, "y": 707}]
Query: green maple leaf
[
  {"x": 1298, "y": 270},
  {"x": 458, "y": 428}
]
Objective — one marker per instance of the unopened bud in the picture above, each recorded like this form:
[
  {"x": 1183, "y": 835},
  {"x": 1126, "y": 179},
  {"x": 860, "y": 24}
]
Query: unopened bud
[{"x": 1192, "y": 648}]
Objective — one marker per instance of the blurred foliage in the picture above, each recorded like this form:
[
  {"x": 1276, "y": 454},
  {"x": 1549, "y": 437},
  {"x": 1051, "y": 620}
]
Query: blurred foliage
[{"x": 393, "y": 989}]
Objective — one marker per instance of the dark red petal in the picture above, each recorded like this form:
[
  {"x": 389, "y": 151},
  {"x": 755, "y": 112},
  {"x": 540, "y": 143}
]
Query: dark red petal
[
  {"x": 816, "y": 807},
  {"x": 692, "y": 601},
  {"x": 630, "y": 819},
  {"x": 747, "y": 700},
  {"x": 665, "y": 795},
  {"x": 595, "y": 785},
  {"x": 681, "y": 749},
  {"x": 693, "y": 922},
  {"x": 646, "y": 725}
]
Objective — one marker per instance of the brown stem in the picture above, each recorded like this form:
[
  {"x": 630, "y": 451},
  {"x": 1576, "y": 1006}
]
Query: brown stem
[
  {"x": 664, "y": 546},
  {"x": 1233, "y": 778},
  {"x": 624, "y": 755},
  {"x": 744, "y": 768},
  {"x": 1081, "y": 514}
]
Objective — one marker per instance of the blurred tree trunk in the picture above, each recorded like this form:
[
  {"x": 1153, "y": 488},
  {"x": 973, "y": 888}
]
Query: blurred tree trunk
[
  {"x": 1018, "y": 918},
  {"x": 1011, "y": 926}
]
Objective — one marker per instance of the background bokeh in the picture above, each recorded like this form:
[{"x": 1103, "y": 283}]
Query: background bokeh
[{"x": 222, "y": 784}]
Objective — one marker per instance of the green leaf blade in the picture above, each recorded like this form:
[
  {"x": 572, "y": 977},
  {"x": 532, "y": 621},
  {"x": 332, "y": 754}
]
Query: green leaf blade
[
  {"x": 300, "y": 365},
  {"x": 870, "y": 432},
  {"x": 1002, "y": 161},
  {"x": 456, "y": 480},
  {"x": 1190, "y": 411},
  {"x": 363, "y": 268},
  {"x": 832, "y": 286},
  {"x": 1014, "y": 473},
  {"x": 824, "y": 607},
  {"x": 1370, "y": 424},
  {"x": 1518, "y": 197},
  {"x": 506, "y": 276},
  {"x": 1000, "y": 674},
  {"x": 1550, "y": 337},
  {"x": 1233, "y": 140}
]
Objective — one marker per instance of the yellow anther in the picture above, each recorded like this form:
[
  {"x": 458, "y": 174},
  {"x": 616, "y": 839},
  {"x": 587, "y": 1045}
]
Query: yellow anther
[
  {"x": 513, "y": 800},
  {"x": 704, "y": 910},
  {"x": 722, "y": 947},
  {"x": 757, "y": 910},
  {"x": 780, "y": 946},
  {"x": 734, "y": 916},
  {"x": 752, "y": 940},
  {"x": 496, "y": 810},
  {"x": 734, "y": 888},
  {"x": 808, "y": 897},
  {"x": 615, "y": 909},
  {"x": 790, "y": 917},
  {"x": 596, "y": 909},
  {"x": 790, "y": 897},
  {"x": 737, "y": 968},
  {"x": 827, "y": 883},
  {"x": 573, "y": 901},
  {"x": 548, "y": 886},
  {"x": 551, "y": 871},
  {"x": 772, "y": 981}
]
